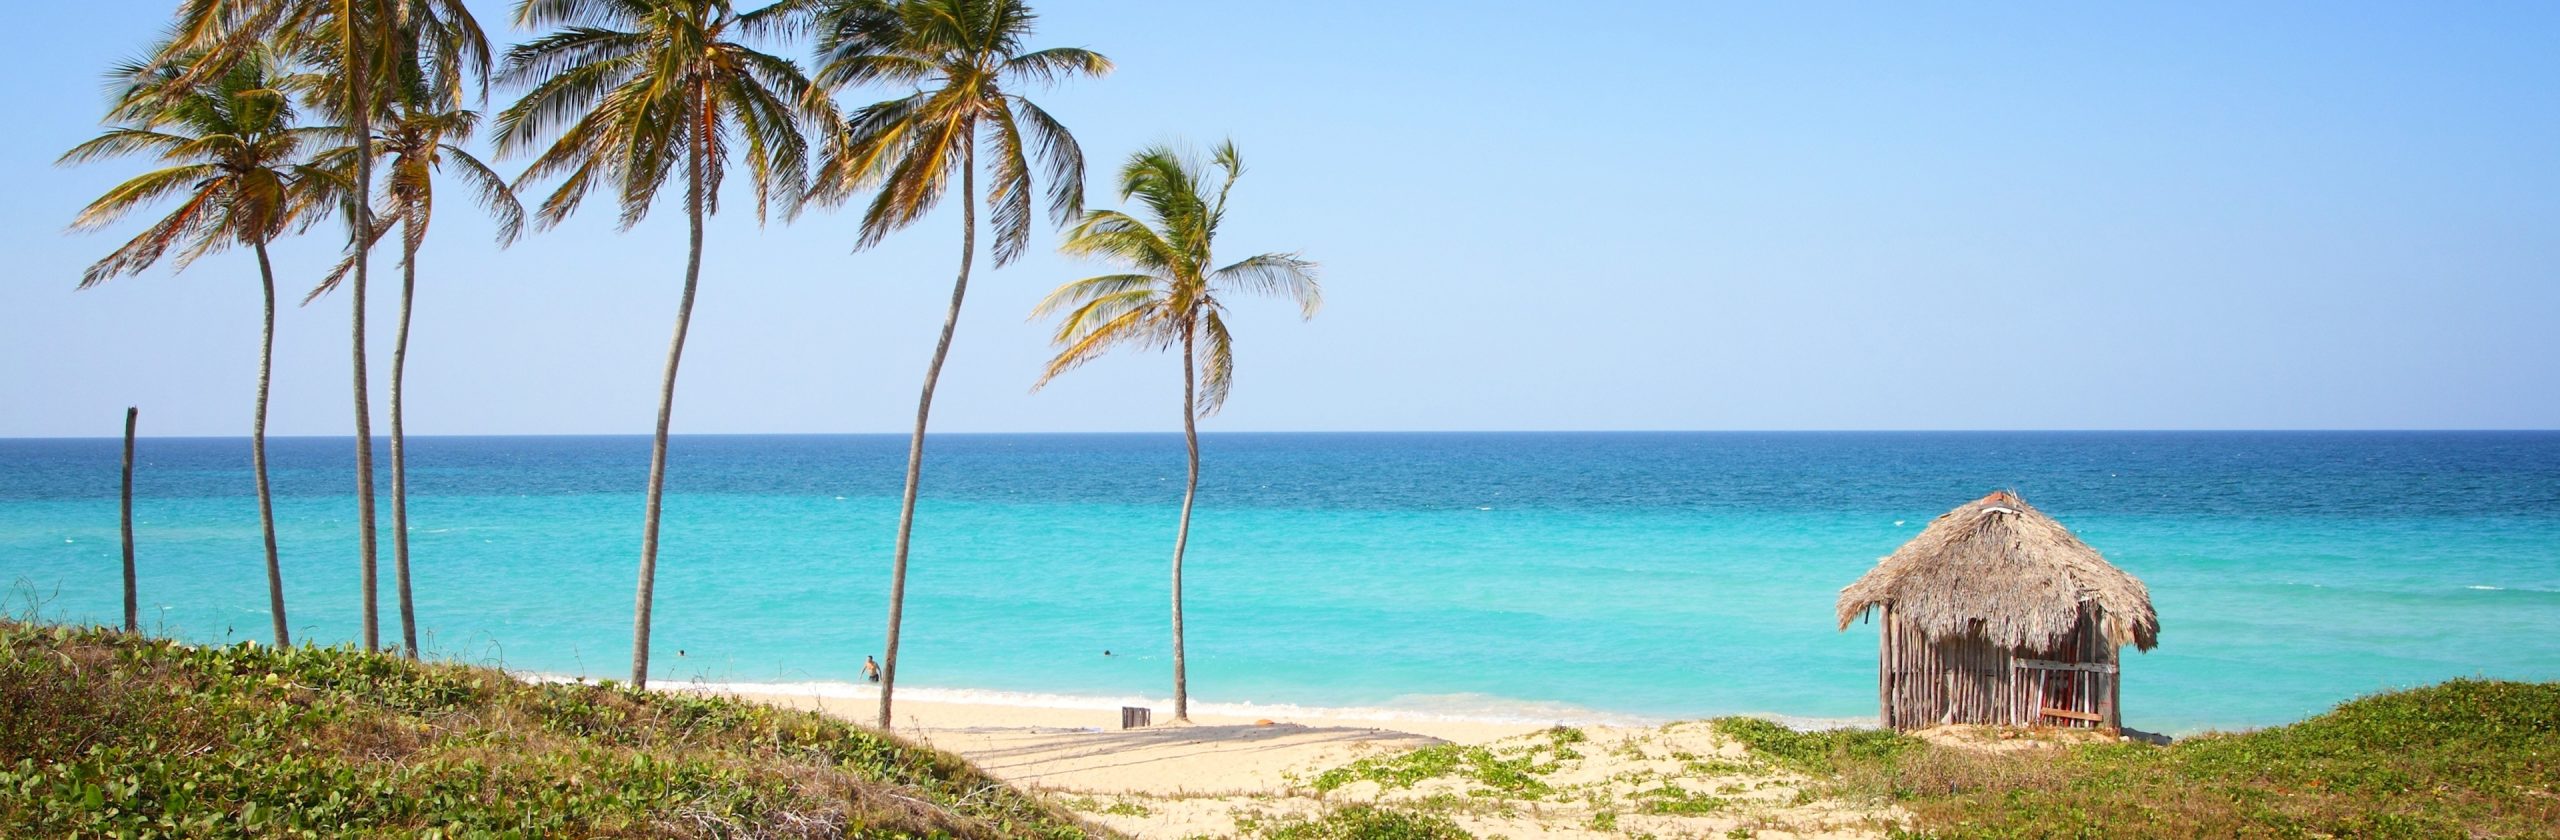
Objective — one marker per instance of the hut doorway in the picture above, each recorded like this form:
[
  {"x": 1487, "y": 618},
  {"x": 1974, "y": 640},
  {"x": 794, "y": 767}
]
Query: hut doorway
[{"x": 2065, "y": 694}]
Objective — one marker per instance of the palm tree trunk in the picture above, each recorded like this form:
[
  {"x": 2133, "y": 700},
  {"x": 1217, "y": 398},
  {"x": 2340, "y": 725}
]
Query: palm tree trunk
[
  {"x": 399, "y": 449},
  {"x": 258, "y": 449},
  {"x": 132, "y": 599},
  {"x": 360, "y": 117},
  {"x": 1182, "y": 534},
  {"x": 667, "y": 401},
  {"x": 915, "y": 443}
]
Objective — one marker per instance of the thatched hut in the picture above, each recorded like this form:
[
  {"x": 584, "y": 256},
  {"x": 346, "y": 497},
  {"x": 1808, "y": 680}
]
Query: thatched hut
[{"x": 1996, "y": 614}]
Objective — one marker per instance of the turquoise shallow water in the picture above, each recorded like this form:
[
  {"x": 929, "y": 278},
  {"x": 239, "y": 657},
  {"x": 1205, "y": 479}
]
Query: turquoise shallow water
[{"x": 1523, "y": 575}]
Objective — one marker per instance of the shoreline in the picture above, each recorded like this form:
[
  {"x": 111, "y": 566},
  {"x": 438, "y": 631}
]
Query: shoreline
[{"x": 1067, "y": 709}]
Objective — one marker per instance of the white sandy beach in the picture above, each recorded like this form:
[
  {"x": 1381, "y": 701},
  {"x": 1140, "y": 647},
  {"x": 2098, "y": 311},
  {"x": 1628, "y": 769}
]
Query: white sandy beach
[{"x": 1222, "y": 774}]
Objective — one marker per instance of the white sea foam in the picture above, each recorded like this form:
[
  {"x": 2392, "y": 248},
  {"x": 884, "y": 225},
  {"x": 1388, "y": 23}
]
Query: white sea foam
[
  {"x": 2484, "y": 588},
  {"x": 1442, "y": 708}
]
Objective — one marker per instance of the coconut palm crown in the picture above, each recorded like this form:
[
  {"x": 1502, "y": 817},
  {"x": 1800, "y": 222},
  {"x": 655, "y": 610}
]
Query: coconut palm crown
[
  {"x": 633, "y": 91},
  {"x": 959, "y": 56},
  {"x": 239, "y": 165},
  {"x": 1171, "y": 297}
]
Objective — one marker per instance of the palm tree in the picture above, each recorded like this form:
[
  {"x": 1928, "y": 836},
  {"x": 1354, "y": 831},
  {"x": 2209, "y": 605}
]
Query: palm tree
[
  {"x": 958, "y": 55},
  {"x": 422, "y": 133},
  {"x": 240, "y": 179},
  {"x": 357, "y": 44},
  {"x": 1169, "y": 299},
  {"x": 631, "y": 90}
]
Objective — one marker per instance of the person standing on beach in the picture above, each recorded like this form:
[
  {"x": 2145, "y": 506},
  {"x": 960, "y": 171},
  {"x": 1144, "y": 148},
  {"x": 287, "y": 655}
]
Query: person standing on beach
[{"x": 871, "y": 668}]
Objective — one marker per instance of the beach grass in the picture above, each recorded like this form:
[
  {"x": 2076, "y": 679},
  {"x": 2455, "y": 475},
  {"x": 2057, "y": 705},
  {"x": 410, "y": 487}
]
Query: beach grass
[
  {"x": 2466, "y": 758},
  {"x": 107, "y": 734},
  {"x": 1359, "y": 822},
  {"x": 2462, "y": 759}
]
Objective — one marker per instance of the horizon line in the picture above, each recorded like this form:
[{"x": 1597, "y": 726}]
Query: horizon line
[{"x": 1137, "y": 433}]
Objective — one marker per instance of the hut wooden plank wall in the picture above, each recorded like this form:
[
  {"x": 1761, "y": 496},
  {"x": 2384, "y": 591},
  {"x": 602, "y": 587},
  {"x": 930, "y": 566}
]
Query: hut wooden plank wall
[{"x": 1996, "y": 614}]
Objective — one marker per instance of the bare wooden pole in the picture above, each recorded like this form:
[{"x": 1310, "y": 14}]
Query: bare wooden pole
[{"x": 132, "y": 603}]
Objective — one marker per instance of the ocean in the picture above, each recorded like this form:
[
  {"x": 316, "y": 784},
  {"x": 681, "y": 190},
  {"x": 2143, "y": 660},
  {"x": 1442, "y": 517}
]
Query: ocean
[{"x": 1567, "y": 576}]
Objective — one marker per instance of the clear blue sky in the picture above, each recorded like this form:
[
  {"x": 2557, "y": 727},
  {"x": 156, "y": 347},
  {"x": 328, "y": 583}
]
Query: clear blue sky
[{"x": 1665, "y": 215}]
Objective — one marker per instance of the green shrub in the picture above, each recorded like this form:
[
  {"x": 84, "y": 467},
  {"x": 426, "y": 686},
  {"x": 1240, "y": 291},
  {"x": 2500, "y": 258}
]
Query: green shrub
[
  {"x": 1364, "y": 822},
  {"x": 1513, "y": 775},
  {"x": 1819, "y": 752}
]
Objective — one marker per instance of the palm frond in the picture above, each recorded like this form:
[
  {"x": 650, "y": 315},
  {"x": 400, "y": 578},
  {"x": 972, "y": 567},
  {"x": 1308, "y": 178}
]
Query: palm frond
[
  {"x": 1129, "y": 324},
  {"x": 119, "y": 142},
  {"x": 538, "y": 14},
  {"x": 144, "y": 189},
  {"x": 1217, "y": 363},
  {"x": 860, "y": 152},
  {"x": 1058, "y": 149},
  {"x": 1050, "y": 66},
  {"x": 187, "y": 223},
  {"x": 1115, "y": 235},
  {"x": 567, "y": 95},
  {"x": 917, "y": 177},
  {"x": 491, "y": 191},
  {"x": 1283, "y": 276},
  {"x": 1009, "y": 193},
  {"x": 1090, "y": 289}
]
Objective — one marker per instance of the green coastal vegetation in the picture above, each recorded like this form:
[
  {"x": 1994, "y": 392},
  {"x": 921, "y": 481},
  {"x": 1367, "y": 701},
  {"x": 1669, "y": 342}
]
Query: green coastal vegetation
[
  {"x": 114, "y": 734},
  {"x": 2461, "y": 759},
  {"x": 2465, "y": 758},
  {"x": 107, "y": 734}
]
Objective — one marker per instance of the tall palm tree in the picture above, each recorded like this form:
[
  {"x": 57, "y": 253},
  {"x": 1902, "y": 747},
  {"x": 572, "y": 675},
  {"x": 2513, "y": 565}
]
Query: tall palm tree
[
  {"x": 1170, "y": 299},
  {"x": 958, "y": 55},
  {"x": 357, "y": 45},
  {"x": 239, "y": 175},
  {"x": 421, "y": 131},
  {"x": 632, "y": 90}
]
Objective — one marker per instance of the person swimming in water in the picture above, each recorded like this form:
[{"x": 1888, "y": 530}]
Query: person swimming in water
[{"x": 871, "y": 668}]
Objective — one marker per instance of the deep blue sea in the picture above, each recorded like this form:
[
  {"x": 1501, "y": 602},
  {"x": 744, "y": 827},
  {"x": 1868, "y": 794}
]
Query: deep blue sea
[{"x": 1545, "y": 576}]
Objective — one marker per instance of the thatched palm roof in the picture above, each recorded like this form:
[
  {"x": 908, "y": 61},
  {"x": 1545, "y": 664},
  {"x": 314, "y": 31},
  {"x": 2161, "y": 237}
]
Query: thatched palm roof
[{"x": 2001, "y": 569}]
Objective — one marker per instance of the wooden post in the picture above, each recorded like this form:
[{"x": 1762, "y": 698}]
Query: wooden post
[
  {"x": 132, "y": 604},
  {"x": 1884, "y": 669}
]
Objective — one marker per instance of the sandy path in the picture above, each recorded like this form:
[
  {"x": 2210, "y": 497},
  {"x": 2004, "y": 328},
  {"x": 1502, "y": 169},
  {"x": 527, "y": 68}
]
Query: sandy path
[{"x": 1221, "y": 776}]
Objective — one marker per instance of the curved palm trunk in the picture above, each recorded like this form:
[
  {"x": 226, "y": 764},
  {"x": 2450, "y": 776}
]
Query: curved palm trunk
[
  {"x": 258, "y": 449},
  {"x": 667, "y": 403},
  {"x": 399, "y": 450},
  {"x": 915, "y": 443},
  {"x": 1182, "y": 534},
  {"x": 359, "y": 111}
]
